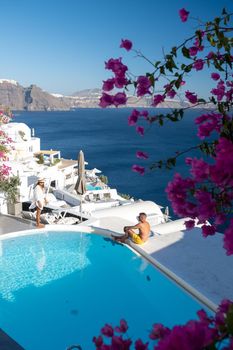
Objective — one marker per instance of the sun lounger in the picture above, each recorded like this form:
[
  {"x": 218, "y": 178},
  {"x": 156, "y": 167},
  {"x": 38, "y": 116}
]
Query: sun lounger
[{"x": 169, "y": 227}]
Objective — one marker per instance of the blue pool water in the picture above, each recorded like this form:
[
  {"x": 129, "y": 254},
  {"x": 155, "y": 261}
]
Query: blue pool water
[
  {"x": 59, "y": 289},
  {"x": 89, "y": 187}
]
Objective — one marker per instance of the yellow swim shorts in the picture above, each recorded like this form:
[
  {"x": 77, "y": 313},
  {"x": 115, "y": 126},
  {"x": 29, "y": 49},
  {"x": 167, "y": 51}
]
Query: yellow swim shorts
[{"x": 136, "y": 238}]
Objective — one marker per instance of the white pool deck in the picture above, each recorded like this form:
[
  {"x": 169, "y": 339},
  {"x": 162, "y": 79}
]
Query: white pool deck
[{"x": 199, "y": 262}]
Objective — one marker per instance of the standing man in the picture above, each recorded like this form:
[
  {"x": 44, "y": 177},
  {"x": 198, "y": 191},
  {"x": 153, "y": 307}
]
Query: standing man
[{"x": 39, "y": 200}]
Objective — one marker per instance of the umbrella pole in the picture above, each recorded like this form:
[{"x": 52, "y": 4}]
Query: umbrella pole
[{"x": 81, "y": 209}]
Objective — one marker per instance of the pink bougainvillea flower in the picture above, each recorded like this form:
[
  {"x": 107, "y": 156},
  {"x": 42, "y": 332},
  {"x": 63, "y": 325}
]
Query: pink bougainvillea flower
[
  {"x": 123, "y": 327},
  {"x": 107, "y": 330},
  {"x": 139, "y": 345},
  {"x": 191, "y": 96},
  {"x": 206, "y": 207},
  {"x": 193, "y": 50},
  {"x": 219, "y": 219},
  {"x": 219, "y": 91},
  {"x": 98, "y": 341},
  {"x": 138, "y": 169},
  {"x": 116, "y": 66},
  {"x": 189, "y": 224},
  {"x": 2, "y": 154},
  {"x": 204, "y": 318},
  {"x": 221, "y": 173},
  {"x": 157, "y": 99},
  {"x": 142, "y": 155},
  {"x": 105, "y": 100},
  {"x": 193, "y": 335},
  {"x": 143, "y": 86},
  {"x": 183, "y": 14},
  {"x": 199, "y": 168},
  {"x": 198, "y": 64},
  {"x": 208, "y": 230},
  {"x": 118, "y": 343},
  {"x": 171, "y": 93},
  {"x": 133, "y": 118},
  {"x": 108, "y": 85},
  {"x": 215, "y": 76},
  {"x": 121, "y": 81},
  {"x": 126, "y": 44},
  {"x": 229, "y": 95},
  {"x": 119, "y": 99},
  {"x": 208, "y": 123},
  {"x": 144, "y": 113},
  {"x": 140, "y": 130},
  {"x": 177, "y": 192},
  {"x": 210, "y": 55},
  {"x": 159, "y": 331}
]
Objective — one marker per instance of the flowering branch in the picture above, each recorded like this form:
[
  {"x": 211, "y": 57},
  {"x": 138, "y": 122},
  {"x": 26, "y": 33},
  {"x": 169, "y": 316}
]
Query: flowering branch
[
  {"x": 193, "y": 196},
  {"x": 206, "y": 333}
]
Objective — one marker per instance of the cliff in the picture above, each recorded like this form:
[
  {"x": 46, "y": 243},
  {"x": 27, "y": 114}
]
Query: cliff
[{"x": 31, "y": 98}]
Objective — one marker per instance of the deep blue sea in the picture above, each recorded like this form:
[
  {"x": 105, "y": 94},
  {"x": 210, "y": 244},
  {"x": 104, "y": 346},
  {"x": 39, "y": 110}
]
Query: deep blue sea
[{"x": 110, "y": 145}]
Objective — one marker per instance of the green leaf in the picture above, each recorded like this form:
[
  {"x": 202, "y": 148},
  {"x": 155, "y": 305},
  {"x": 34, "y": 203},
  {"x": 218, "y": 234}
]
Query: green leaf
[
  {"x": 188, "y": 68},
  {"x": 199, "y": 36},
  {"x": 229, "y": 320},
  {"x": 213, "y": 100},
  {"x": 210, "y": 38},
  {"x": 157, "y": 64},
  {"x": 170, "y": 64},
  {"x": 185, "y": 52},
  {"x": 178, "y": 82},
  {"x": 161, "y": 121},
  {"x": 170, "y": 163},
  {"x": 227, "y": 19},
  {"x": 152, "y": 80},
  {"x": 228, "y": 60},
  {"x": 218, "y": 65},
  {"x": 162, "y": 70},
  {"x": 217, "y": 20},
  {"x": 173, "y": 51}
]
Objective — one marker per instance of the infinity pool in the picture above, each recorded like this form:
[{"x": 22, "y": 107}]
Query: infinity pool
[
  {"x": 60, "y": 288},
  {"x": 90, "y": 187}
]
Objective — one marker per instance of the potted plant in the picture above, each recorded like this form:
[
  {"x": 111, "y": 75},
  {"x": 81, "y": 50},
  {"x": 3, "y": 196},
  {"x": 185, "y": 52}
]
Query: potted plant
[{"x": 9, "y": 187}]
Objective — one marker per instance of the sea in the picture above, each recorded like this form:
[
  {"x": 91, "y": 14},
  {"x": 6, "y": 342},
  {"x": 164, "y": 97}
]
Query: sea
[{"x": 110, "y": 145}]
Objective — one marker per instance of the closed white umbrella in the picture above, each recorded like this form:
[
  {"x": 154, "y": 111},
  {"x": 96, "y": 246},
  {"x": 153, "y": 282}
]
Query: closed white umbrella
[
  {"x": 166, "y": 214},
  {"x": 80, "y": 186}
]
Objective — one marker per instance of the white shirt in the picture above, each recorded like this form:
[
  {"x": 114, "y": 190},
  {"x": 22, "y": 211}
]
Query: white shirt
[{"x": 38, "y": 198}]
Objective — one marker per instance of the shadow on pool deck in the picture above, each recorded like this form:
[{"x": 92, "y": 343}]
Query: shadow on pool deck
[{"x": 10, "y": 223}]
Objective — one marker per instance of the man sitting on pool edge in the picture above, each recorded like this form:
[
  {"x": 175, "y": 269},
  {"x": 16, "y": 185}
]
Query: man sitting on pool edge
[{"x": 144, "y": 231}]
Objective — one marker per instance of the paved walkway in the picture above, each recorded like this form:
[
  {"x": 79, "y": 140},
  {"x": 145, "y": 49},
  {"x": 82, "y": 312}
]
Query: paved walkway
[{"x": 12, "y": 224}]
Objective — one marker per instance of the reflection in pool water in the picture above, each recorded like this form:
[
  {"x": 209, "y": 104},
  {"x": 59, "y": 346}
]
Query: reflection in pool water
[{"x": 35, "y": 261}]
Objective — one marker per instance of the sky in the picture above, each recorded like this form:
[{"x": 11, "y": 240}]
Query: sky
[{"x": 61, "y": 45}]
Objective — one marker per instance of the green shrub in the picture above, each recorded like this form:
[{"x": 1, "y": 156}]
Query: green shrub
[{"x": 10, "y": 188}]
